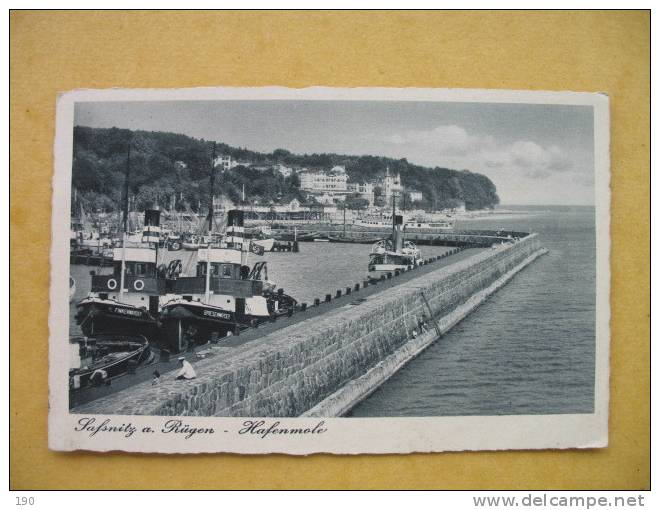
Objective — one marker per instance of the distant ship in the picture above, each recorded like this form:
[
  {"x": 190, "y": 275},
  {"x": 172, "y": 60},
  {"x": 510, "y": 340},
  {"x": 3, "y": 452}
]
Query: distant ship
[
  {"x": 389, "y": 255},
  {"x": 411, "y": 225}
]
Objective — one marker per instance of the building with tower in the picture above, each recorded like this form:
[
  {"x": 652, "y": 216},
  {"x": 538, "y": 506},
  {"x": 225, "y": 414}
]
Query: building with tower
[{"x": 391, "y": 185}]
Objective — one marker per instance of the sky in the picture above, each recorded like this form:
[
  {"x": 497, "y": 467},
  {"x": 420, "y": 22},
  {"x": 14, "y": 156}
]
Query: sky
[{"x": 535, "y": 154}]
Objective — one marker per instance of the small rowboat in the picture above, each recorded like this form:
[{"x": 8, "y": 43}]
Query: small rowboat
[{"x": 266, "y": 244}]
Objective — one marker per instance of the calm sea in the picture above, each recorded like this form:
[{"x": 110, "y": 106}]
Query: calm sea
[{"x": 529, "y": 349}]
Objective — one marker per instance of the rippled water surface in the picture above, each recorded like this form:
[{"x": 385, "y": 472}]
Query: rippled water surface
[{"x": 529, "y": 349}]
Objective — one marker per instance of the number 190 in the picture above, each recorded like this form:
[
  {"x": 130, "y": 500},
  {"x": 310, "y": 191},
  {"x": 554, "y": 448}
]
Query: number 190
[{"x": 24, "y": 500}]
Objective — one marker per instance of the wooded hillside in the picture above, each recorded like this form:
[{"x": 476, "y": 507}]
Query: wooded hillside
[{"x": 167, "y": 165}]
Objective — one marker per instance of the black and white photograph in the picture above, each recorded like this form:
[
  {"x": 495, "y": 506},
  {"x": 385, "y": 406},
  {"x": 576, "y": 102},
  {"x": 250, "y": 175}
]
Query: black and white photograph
[{"x": 329, "y": 270}]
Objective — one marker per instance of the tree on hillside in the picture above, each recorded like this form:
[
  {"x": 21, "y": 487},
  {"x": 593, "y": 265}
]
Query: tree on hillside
[{"x": 355, "y": 202}]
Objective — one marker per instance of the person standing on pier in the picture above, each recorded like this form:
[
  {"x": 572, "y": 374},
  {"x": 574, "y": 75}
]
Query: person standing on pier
[{"x": 187, "y": 371}]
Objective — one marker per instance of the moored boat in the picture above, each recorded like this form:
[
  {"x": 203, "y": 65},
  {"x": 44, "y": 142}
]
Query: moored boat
[
  {"x": 385, "y": 257},
  {"x": 261, "y": 236},
  {"x": 416, "y": 225},
  {"x": 193, "y": 243},
  {"x": 394, "y": 254},
  {"x": 223, "y": 297},
  {"x": 266, "y": 244},
  {"x": 127, "y": 301},
  {"x": 101, "y": 358},
  {"x": 355, "y": 238}
]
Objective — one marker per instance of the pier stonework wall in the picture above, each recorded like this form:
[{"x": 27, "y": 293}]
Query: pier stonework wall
[{"x": 324, "y": 365}]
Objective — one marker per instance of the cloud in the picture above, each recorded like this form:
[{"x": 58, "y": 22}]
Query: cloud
[
  {"x": 449, "y": 140},
  {"x": 536, "y": 161},
  {"x": 453, "y": 145}
]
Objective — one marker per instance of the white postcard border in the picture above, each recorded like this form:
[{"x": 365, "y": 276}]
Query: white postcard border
[{"x": 338, "y": 435}]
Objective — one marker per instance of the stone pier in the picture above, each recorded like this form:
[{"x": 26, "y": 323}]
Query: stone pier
[{"x": 325, "y": 365}]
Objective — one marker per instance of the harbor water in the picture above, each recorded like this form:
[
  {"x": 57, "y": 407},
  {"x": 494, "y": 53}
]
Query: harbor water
[{"x": 528, "y": 350}]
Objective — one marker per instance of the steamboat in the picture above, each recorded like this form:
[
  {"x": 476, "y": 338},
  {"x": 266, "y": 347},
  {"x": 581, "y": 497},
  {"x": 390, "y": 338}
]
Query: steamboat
[
  {"x": 225, "y": 295},
  {"x": 127, "y": 301},
  {"x": 389, "y": 255}
]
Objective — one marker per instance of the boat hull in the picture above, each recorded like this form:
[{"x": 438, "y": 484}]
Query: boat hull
[
  {"x": 137, "y": 351},
  {"x": 388, "y": 268},
  {"x": 99, "y": 317},
  {"x": 266, "y": 244},
  {"x": 185, "y": 325}
]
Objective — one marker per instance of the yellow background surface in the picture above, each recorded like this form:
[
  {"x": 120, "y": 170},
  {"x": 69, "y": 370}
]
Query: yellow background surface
[{"x": 582, "y": 51}]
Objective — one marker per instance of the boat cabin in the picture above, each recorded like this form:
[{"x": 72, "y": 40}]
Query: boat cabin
[
  {"x": 228, "y": 276},
  {"x": 142, "y": 283}
]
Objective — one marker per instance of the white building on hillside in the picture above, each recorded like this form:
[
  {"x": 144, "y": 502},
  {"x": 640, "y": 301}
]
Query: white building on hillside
[
  {"x": 223, "y": 161},
  {"x": 364, "y": 189},
  {"x": 330, "y": 182},
  {"x": 416, "y": 196}
]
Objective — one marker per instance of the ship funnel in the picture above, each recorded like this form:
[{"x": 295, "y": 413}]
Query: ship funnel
[
  {"x": 235, "y": 228},
  {"x": 152, "y": 218},
  {"x": 397, "y": 233},
  {"x": 151, "y": 232}
]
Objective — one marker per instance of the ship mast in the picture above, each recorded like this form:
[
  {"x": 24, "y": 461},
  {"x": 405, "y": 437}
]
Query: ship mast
[
  {"x": 344, "y": 209},
  {"x": 125, "y": 221},
  {"x": 394, "y": 240},
  {"x": 207, "y": 287},
  {"x": 211, "y": 184}
]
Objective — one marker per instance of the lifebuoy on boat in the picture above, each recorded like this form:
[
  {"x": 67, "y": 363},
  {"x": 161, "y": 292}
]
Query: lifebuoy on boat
[
  {"x": 138, "y": 285},
  {"x": 112, "y": 284}
]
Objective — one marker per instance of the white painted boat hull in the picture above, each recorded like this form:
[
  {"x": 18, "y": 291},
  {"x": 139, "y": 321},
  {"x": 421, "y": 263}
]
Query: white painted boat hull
[
  {"x": 266, "y": 244},
  {"x": 384, "y": 268}
]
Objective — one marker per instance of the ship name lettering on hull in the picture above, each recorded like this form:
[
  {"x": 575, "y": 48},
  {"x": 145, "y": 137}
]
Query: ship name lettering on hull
[
  {"x": 217, "y": 315},
  {"x": 124, "y": 311}
]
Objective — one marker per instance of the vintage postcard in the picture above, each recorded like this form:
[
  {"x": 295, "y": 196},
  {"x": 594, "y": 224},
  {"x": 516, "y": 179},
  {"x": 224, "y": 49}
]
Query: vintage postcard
[{"x": 369, "y": 270}]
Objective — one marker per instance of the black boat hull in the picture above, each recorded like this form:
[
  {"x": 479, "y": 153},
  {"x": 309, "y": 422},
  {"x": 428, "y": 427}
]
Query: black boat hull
[
  {"x": 100, "y": 318},
  {"x": 183, "y": 327}
]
